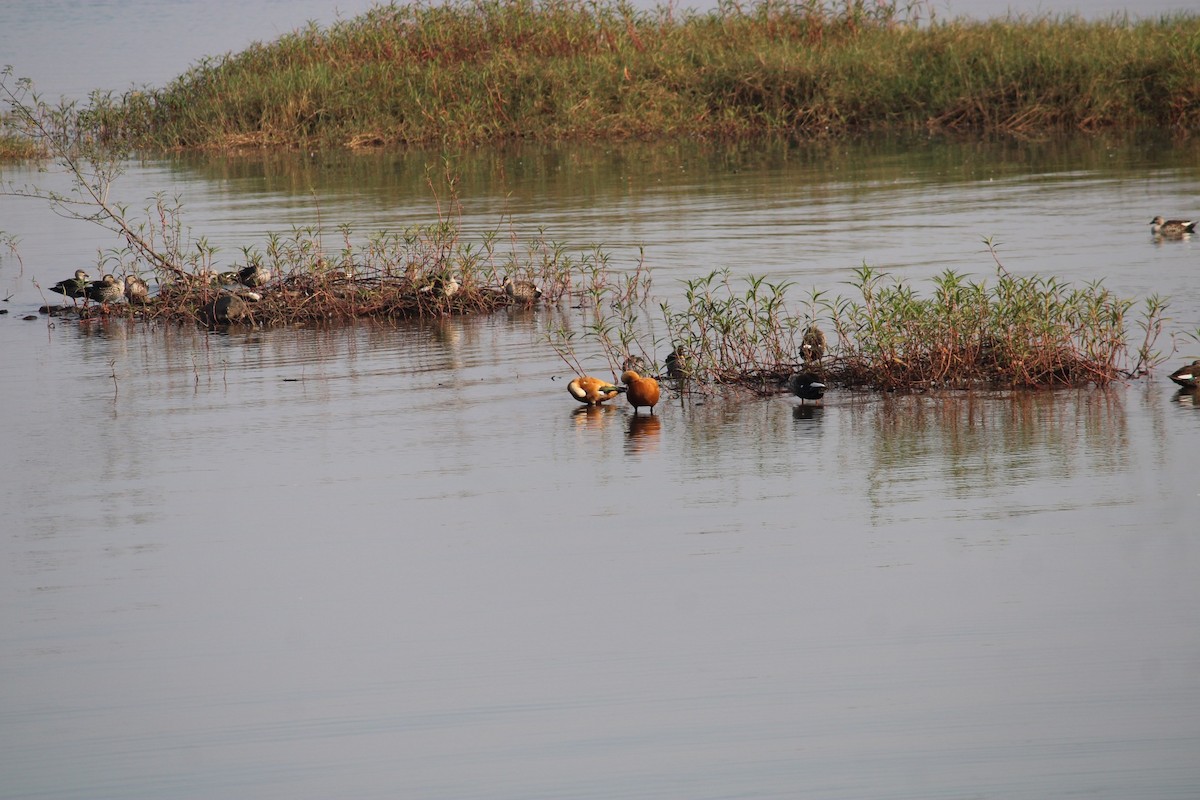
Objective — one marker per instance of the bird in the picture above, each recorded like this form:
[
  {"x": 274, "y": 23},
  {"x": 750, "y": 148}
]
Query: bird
[
  {"x": 1172, "y": 228},
  {"x": 521, "y": 291},
  {"x": 228, "y": 278},
  {"x": 632, "y": 362},
  {"x": 592, "y": 391},
  {"x": 1189, "y": 376},
  {"x": 136, "y": 290},
  {"x": 640, "y": 391},
  {"x": 73, "y": 287},
  {"x": 224, "y": 310},
  {"x": 106, "y": 290},
  {"x": 674, "y": 364},
  {"x": 253, "y": 275},
  {"x": 442, "y": 286},
  {"x": 806, "y": 386},
  {"x": 812, "y": 346}
]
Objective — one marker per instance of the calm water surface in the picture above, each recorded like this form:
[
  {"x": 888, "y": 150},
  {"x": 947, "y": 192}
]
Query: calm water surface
[{"x": 399, "y": 561}]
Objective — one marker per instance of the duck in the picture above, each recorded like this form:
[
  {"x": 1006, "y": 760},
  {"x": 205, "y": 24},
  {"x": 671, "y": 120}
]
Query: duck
[
  {"x": 225, "y": 310},
  {"x": 227, "y": 278},
  {"x": 73, "y": 287},
  {"x": 442, "y": 286},
  {"x": 640, "y": 390},
  {"x": 253, "y": 275},
  {"x": 136, "y": 290},
  {"x": 812, "y": 346},
  {"x": 1174, "y": 228},
  {"x": 592, "y": 391},
  {"x": 1189, "y": 376},
  {"x": 806, "y": 386},
  {"x": 106, "y": 290},
  {"x": 674, "y": 364},
  {"x": 526, "y": 292},
  {"x": 632, "y": 362}
]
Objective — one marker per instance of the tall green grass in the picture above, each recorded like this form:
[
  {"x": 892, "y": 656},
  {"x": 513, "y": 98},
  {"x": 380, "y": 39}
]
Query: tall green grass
[{"x": 490, "y": 70}]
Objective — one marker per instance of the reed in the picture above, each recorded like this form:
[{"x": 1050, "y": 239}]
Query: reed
[
  {"x": 1018, "y": 331},
  {"x": 496, "y": 70}
]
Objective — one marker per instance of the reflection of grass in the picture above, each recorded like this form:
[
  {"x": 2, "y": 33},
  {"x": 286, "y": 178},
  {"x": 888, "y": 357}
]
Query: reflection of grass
[
  {"x": 960, "y": 447},
  {"x": 498, "y": 71}
]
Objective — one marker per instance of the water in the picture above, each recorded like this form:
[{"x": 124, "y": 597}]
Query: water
[{"x": 399, "y": 561}]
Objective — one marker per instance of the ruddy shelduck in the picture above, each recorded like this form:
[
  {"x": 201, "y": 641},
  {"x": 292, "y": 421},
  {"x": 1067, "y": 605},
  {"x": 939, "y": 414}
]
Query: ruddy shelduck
[
  {"x": 639, "y": 390},
  {"x": 592, "y": 391}
]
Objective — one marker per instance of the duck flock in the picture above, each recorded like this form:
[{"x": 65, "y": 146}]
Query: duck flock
[{"x": 641, "y": 391}]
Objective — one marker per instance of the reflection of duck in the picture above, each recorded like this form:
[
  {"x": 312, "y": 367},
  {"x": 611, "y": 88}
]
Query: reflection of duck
[
  {"x": 592, "y": 391},
  {"x": 1171, "y": 228},
  {"x": 1186, "y": 396},
  {"x": 136, "y": 290},
  {"x": 1189, "y": 376},
  {"x": 806, "y": 386},
  {"x": 521, "y": 291},
  {"x": 804, "y": 411},
  {"x": 640, "y": 391},
  {"x": 591, "y": 416},
  {"x": 73, "y": 287},
  {"x": 644, "y": 431}
]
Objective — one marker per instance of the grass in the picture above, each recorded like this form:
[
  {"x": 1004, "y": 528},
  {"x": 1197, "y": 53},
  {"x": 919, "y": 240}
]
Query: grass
[
  {"x": 1027, "y": 331},
  {"x": 492, "y": 71},
  {"x": 1016, "y": 332}
]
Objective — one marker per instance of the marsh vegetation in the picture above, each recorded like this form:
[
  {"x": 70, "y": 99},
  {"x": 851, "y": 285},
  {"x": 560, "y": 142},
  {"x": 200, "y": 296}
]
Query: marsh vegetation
[{"x": 495, "y": 71}]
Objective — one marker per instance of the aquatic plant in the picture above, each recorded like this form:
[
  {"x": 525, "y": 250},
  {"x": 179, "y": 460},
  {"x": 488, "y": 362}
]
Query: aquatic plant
[
  {"x": 424, "y": 270},
  {"x": 497, "y": 70},
  {"x": 1018, "y": 331}
]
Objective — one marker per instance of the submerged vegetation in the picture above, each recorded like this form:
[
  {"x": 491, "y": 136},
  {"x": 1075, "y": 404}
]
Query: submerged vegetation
[{"x": 497, "y": 70}]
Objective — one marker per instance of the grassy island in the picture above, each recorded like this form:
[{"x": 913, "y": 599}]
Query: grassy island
[
  {"x": 488, "y": 72},
  {"x": 492, "y": 71}
]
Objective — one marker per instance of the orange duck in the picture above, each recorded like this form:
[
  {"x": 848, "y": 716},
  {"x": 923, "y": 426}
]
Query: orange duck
[
  {"x": 592, "y": 391},
  {"x": 640, "y": 391}
]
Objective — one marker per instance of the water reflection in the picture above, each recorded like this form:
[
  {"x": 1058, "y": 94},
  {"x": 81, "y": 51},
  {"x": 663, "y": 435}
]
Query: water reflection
[
  {"x": 643, "y": 434},
  {"x": 377, "y": 511},
  {"x": 1189, "y": 397},
  {"x": 969, "y": 446},
  {"x": 809, "y": 417}
]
